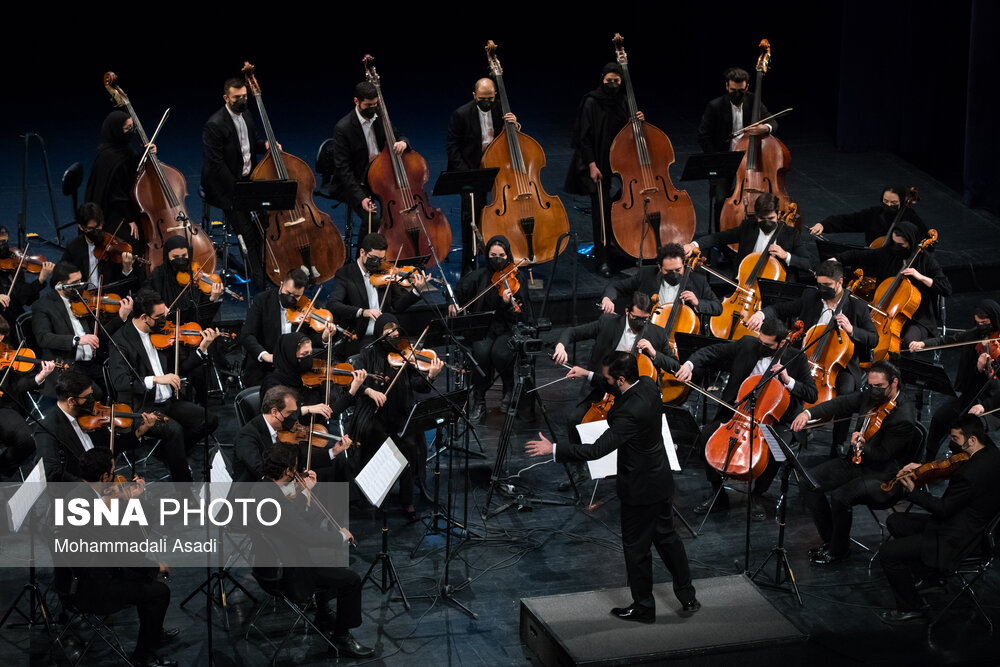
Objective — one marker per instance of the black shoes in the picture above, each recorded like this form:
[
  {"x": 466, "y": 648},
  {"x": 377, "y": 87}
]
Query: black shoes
[
  {"x": 757, "y": 513},
  {"x": 151, "y": 660},
  {"x": 691, "y": 607},
  {"x": 823, "y": 556},
  {"x": 721, "y": 504},
  {"x": 477, "y": 413},
  {"x": 900, "y": 617},
  {"x": 348, "y": 646},
  {"x": 169, "y": 634},
  {"x": 604, "y": 270},
  {"x": 505, "y": 402},
  {"x": 635, "y": 613}
]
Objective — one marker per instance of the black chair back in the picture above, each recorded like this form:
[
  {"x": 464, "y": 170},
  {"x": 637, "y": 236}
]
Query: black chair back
[{"x": 247, "y": 405}]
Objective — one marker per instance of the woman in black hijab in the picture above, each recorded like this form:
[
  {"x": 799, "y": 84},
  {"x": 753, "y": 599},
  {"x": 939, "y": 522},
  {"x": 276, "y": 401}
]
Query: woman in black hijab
[
  {"x": 112, "y": 177},
  {"x": 195, "y": 305}
]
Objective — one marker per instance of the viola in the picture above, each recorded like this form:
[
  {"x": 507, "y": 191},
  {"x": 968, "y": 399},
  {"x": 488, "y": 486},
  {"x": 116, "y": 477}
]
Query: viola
[
  {"x": 674, "y": 317},
  {"x": 303, "y": 236},
  {"x": 870, "y": 426},
  {"x": 745, "y": 300},
  {"x": 23, "y": 361},
  {"x": 190, "y": 334},
  {"x": 111, "y": 249},
  {"x": 100, "y": 417},
  {"x": 160, "y": 191},
  {"x": 410, "y": 223},
  {"x": 765, "y": 162},
  {"x": 317, "y": 318},
  {"x": 342, "y": 374},
  {"x": 315, "y": 436},
  {"x": 896, "y": 300},
  {"x": 832, "y": 350},
  {"x": 912, "y": 196},
  {"x": 31, "y": 263},
  {"x": 651, "y": 211},
  {"x": 930, "y": 471},
  {"x": 520, "y": 209},
  {"x": 205, "y": 281},
  {"x": 87, "y": 304}
]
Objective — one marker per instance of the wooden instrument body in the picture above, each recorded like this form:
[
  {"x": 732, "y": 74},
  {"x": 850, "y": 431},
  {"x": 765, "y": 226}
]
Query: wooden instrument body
[
  {"x": 675, "y": 392},
  {"x": 669, "y": 212},
  {"x": 744, "y": 302},
  {"x": 827, "y": 359},
  {"x": 899, "y": 307},
  {"x": 767, "y": 174},
  {"x": 304, "y": 236},
  {"x": 520, "y": 208},
  {"x": 770, "y": 406}
]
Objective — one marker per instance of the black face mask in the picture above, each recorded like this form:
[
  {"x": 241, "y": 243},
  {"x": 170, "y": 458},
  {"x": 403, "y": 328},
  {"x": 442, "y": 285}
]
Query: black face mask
[
  {"x": 4, "y": 249},
  {"x": 288, "y": 423},
  {"x": 305, "y": 364},
  {"x": 635, "y": 324},
  {"x": 180, "y": 264},
  {"x": 954, "y": 447},
  {"x": 88, "y": 405},
  {"x": 158, "y": 325},
  {"x": 877, "y": 394},
  {"x": 287, "y": 300},
  {"x": 611, "y": 88},
  {"x": 826, "y": 292},
  {"x": 900, "y": 251},
  {"x": 889, "y": 211},
  {"x": 672, "y": 278},
  {"x": 497, "y": 263},
  {"x": 767, "y": 226},
  {"x": 373, "y": 264},
  {"x": 484, "y": 105},
  {"x": 614, "y": 390},
  {"x": 764, "y": 350},
  {"x": 368, "y": 113},
  {"x": 239, "y": 106},
  {"x": 390, "y": 343},
  {"x": 736, "y": 97},
  {"x": 94, "y": 235}
]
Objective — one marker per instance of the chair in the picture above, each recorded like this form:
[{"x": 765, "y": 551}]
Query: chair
[
  {"x": 64, "y": 584},
  {"x": 324, "y": 167},
  {"x": 247, "y": 405},
  {"x": 26, "y": 334},
  {"x": 971, "y": 569},
  {"x": 271, "y": 579}
]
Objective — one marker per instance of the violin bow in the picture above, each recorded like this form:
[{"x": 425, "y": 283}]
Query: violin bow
[
  {"x": 13, "y": 280},
  {"x": 177, "y": 348},
  {"x": 395, "y": 265},
  {"x": 493, "y": 283},
  {"x": 97, "y": 307},
  {"x": 413, "y": 349}
]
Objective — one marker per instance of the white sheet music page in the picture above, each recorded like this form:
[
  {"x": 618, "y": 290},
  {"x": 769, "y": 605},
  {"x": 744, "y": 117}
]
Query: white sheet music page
[
  {"x": 25, "y": 497},
  {"x": 381, "y": 472},
  {"x": 607, "y": 466}
]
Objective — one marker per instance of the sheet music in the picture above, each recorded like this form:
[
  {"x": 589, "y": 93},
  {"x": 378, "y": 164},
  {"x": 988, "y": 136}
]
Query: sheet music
[
  {"x": 770, "y": 438},
  {"x": 381, "y": 472},
  {"x": 221, "y": 482},
  {"x": 25, "y": 497},
  {"x": 607, "y": 466}
]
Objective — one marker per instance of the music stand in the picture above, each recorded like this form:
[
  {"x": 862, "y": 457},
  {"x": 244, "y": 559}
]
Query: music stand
[
  {"x": 776, "y": 291},
  {"x": 924, "y": 375},
  {"x": 712, "y": 167},
  {"x": 278, "y": 195},
  {"x": 21, "y": 506},
  {"x": 828, "y": 249},
  {"x": 471, "y": 183},
  {"x": 688, "y": 344},
  {"x": 374, "y": 481}
]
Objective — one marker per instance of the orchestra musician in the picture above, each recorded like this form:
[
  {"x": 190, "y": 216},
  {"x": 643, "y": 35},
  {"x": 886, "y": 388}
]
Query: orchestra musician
[
  {"x": 882, "y": 455},
  {"x": 493, "y": 352},
  {"x": 645, "y": 485},
  {"x": 230, "y": 146},
  {"x": 299, "y": 529},
  {"x": 925, "y": 274},
  {"x": 873, "y": 221},
  {"x": 357, "y": 303},
  {"x": 743, "y": 358},
  {"x": 815, "y": 307},
  {"x": 664, "y": 280},
  {"x": 64, "y": 337},
  {"x": 923, "y": 546},
  {"x": 105, "y": 589},
  {"x": 195, "y": 305},
  {"x": 358, "y": 138},
  {"x": 973, "y": 374},
  {"x": 80, "y": 252},
  {"x": 15, "y": 436},
  {"x": 266, "y": 321},
  {"x": 112, "y": 177},
  {"x": 13, "y": 300},
  {"x": 727, "y": 115},
  {"x": 144, "y": 375},
  {"x": 471, "y": 128}
]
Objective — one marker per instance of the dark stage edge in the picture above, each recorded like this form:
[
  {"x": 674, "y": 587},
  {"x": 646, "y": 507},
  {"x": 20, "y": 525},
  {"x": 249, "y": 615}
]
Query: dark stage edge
[{"x": 736, "y": 622}]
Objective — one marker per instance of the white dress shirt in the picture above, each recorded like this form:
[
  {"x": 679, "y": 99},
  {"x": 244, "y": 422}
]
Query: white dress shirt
[
  {"x": 372, "y": 297},
  {"x": 85, "y": 440},
  {"x": 163, "y": 391},
  {"x": 761, "y": 243},
  {"x": 764, "y": 365},
  {"x": 486, "y": 126},
  {"x": 244, "y": 137},
  {"x": 83, "y": 352},
  {"x": 367, "y": 126},
  {"x": 668, "y": 293}
]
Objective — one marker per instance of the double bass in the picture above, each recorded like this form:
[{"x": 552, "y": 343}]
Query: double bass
[
  {"x": 520, "y": 209},
  {"x": 651, "y": 212},
  {"x": 674, "y": 317},
  {"x": 303, "y": 237},
  {"x": 160, "y": 191},
  {"x": 764, "y": 164},
  {"x": 410, "y": 224},
  {"x": 745, "y": 300},
  {"x": 896, "y": 300}
]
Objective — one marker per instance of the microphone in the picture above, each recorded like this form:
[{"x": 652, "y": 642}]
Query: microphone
[{"x": 68, "y": 286}]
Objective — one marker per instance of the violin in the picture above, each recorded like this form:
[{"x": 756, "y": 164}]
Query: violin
[
  {"x": 870, "y": 426},
  {"x": 390, "y": 273},
  {"x": 190, "y": 334},
  {"x": 520, "y": 209},
  {"x": 745, "y": 300},
  {"x": 641, "y": 154},
  {"x": 87, "y": 304},
  {"x": 420, "y": 359},
  {"x": 100, "y": 417},
  {"x": 765, "y": 162},
  {"x": 730, "y": 449},
  {"x": 317, "y": 318},
  {"x": 305, "y": 235},
  {"x": 342, "y": 374},
  {"x": 160, "y": 191},
  {"x": 913, "y": 195},
  {"x": 506, "y": 279},
  {"x": 832, "y": 350},
  {"x": 111, "y": 249},
  {"x": 205, "y": 281},
  {"x": 410, "y": 223},
  {"x": 30, "y": 263},
  {"x": 23, "y": 361},
  {"x": 930, "y": 471},
  {"x": 896, "y": 300},
  {"x": 674, "y": 317},
  {"x": 315, "y": 436},
  {"x": 599, "y": 409}
]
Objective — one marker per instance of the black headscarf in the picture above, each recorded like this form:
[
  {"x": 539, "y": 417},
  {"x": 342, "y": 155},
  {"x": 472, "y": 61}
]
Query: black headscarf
[
  {"x": 908, "y": 231},
  {"x": 500, "y": 240},
  {"x": 991, "y": 309},
  {"x": 286, "y": 363},
  {"x": 171, "y": 244},
  {"x": 602, "y": 115}
]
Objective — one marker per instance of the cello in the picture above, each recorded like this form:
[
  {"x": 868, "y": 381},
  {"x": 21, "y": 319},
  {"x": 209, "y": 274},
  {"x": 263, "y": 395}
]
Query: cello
[
  {"x": 160, "y": 191},
  {"x": 764, "y": 164},
  {"x": 674, "y": 317},
  {"x": 896, "y": 300},
  {"x": 745, "y": 300},
  {"x": 520, "y": 209},
  {"x": 303, "y": 237},
  {"x": 913, "y": 195},
  {"x": 830, "y": 354},
  {"x": 641, "y": 155},
  {"x": 410, "y": 224}
]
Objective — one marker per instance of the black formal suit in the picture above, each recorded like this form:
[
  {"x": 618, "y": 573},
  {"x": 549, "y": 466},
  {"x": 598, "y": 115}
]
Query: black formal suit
[
  {"x": 647, "y": 281},
  {"x": 60, "y": 447},
  {"x": 464, "y": 146},
  {"x": 717, "y": 122},
  {"x": 251, "y": 444},
  {"x": 645, "y": 486},
  {"x": 350, "y": 159},
  {"x": 850, "y": 484},
  {"x": 260, "y": 333},
  {"x": 23, "y": 294},
  {"x": 222, "y": 157},
  {"x": 16, "y": 441},
  {"x": 924, "y": 544},
  {"x": 78, "y": 254},
  {"x": 746, "y": 235},
  {"x": 349, "y": 296}
]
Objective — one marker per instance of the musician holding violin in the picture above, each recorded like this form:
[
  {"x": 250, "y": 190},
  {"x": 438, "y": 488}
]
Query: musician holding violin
[
  {"x": 886, "y": 428},
  {"x": 499, "y": 288},
  {"x": 874, "y": 221},
  {"x": 664, "y": 280},
  {"x": 744, "y": 359},
  {"x": 86, "y": 252},
  {"x": 266, "y": 321},
  {"x": 16, "y": 292},
  {"x": 975, "y": 381},
  {"x": 179, "y": 282},
  {"x": 147, "y": 366},
  {"x": 923, "y": 546}
]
